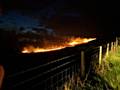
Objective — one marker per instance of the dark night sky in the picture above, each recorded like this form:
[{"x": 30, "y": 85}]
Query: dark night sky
[
  {"x": 86, "y": 6},
  {"x": 103, "y": 14}
]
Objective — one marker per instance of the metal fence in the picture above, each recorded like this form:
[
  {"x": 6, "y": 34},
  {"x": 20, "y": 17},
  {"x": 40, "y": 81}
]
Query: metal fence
[
  {"x": 48, "y": 76},
  {"x": 53, "y": 74}
]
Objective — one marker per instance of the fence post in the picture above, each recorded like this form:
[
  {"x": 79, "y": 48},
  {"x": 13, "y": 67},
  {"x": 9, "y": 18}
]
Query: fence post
[
  {"x": 111, "y": 46},
  {"x": 116, "y": 43},
  {"x": 100, "y": 55},
  {"x": 107, "y": 51},
  {"x": 82, "y": 64},
  {"x": 114, "y": 46}
]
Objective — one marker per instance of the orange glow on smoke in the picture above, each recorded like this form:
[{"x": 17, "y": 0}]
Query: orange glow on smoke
[{"x": 69, "y": 43}]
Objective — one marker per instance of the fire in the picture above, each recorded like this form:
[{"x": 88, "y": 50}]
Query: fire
[
  {"x": 69, "y": 43},
  {"x": 76, "y": 41},
  {"x": 33, "y": 49}
]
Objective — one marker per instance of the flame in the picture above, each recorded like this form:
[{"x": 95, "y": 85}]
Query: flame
[
  {"x": 33, "y": 49},
  {"x": 69, "y": 43},
  {"x": 76, "y": 41}
]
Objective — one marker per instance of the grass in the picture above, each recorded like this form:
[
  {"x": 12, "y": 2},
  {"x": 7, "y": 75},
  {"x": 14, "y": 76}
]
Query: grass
[
  {"x": 101, "y": 77},
  {"x": 112, "y": 71}
]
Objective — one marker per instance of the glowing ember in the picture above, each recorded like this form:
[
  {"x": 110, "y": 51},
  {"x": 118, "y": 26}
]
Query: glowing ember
[{"x": 70, "y": 43}]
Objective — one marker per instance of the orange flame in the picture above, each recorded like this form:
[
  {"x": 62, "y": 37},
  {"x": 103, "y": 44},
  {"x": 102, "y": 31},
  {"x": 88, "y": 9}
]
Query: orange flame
[
  {"x": 70, "y": 43},
  {"x": 76, "y": 41},
  {"x": 33, "y": 49}
]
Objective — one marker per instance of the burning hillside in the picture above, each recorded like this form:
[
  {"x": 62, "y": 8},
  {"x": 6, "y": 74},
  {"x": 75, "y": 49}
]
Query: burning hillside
[
  {"x": 51, "y": 46},
  {"x": 32, "y": 36}
]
